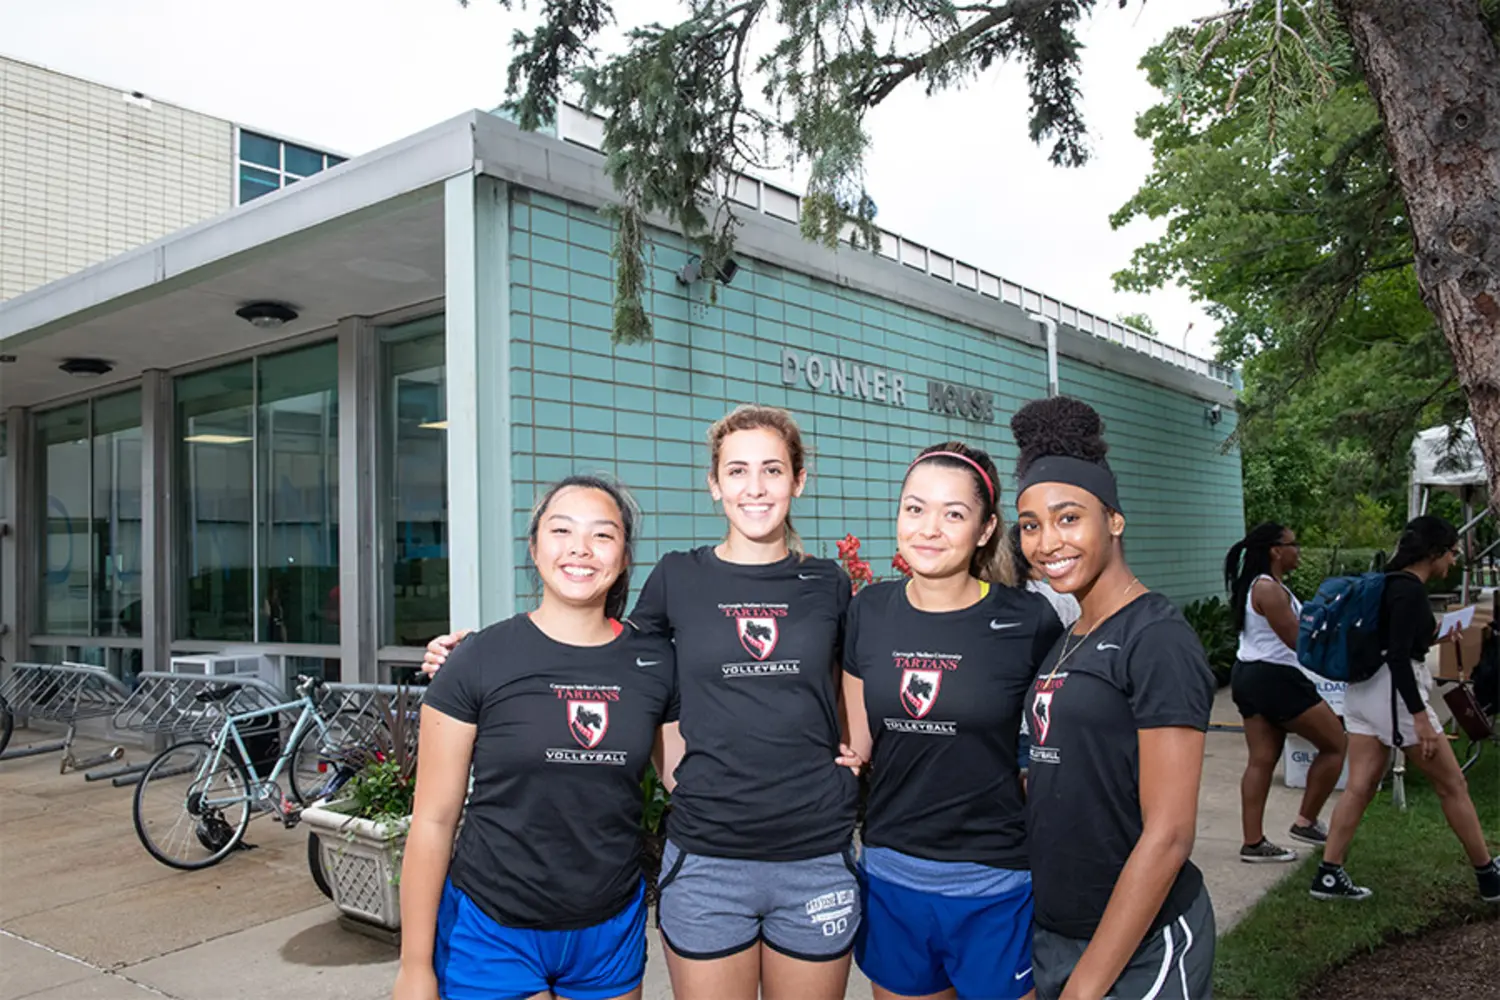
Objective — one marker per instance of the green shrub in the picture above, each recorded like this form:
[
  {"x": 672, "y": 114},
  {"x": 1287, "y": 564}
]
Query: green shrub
[{"x": 1212, "y": 621}]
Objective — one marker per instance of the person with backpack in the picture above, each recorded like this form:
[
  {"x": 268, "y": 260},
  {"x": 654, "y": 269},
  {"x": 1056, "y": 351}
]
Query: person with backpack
[
  {"x": 1272, "y": 693},
  {"x": 1119, "y": 712},
  {"x": 1386, "y": 706}
]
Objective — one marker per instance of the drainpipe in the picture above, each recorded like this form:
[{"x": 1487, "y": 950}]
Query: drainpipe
[{"x": 1049, "y": 329}]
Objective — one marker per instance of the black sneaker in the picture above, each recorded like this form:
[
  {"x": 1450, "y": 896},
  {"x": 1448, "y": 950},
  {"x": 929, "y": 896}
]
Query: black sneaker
[
  {"x": 1266, "y": 852},
  {"x": 1489, "y": 881},
  {"x": 1315, "y": 833},
  {"x": 1332, "y": 882}
]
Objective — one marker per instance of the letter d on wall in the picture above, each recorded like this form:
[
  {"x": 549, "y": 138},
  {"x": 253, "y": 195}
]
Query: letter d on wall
[{"x": 790, "y": 366}]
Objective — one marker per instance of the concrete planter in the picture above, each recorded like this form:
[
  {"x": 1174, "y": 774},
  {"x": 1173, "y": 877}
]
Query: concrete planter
[{"x": 361, "y": 861}]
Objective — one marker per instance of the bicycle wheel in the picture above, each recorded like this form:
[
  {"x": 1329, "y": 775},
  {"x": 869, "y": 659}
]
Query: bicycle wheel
[
  {"x": 190, "y": 808},
  {"x": 319, "y": 756},
  {"x": 7, "y": 723}
]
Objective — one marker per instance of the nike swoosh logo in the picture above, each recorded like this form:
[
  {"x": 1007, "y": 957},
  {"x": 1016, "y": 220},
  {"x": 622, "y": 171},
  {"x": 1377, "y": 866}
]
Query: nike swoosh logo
[
  {"x": 998, "y": 625},
  {"x": 808, "y": 576},
  {"x": 1106, "y": 645},
  {"x": 645, "y": 663},
  {"x": 1022, "y": 975}
]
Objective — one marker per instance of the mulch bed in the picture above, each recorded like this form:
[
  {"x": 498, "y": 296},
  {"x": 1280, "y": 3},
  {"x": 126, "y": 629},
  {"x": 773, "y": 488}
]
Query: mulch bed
[{"x": 1453, "y": 963}]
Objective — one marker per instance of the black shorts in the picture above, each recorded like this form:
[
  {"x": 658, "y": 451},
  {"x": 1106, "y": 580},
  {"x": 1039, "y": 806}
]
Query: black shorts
[{"x": 1275, "y": 691}]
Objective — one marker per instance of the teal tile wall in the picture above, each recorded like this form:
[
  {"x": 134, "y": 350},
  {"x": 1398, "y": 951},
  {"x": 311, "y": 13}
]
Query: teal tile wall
[{"x": 640, "y": 413}]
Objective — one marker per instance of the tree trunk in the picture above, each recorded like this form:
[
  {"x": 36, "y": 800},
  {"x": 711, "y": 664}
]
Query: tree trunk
[{"x": 1435, "y": 74}]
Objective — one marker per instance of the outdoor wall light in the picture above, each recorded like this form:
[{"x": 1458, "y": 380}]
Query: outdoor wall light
[
  {"x": 86, "y": 367},
  {"x": 266, "y": 315},
  {"x": 1214, "y": 414},
  {"x": 693, "y": 271}
]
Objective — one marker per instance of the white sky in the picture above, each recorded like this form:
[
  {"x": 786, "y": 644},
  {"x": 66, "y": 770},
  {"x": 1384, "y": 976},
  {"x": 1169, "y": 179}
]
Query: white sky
[{"x": 955, "y": 172}]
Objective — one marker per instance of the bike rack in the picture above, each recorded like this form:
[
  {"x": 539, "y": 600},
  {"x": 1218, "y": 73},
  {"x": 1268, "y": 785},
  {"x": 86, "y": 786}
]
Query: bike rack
[
  {"x": 66, "y": 693},
  {"x": 167, "y": 704}
]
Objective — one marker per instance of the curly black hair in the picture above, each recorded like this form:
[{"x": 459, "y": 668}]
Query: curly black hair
[{"x": 1058, "y": 425}]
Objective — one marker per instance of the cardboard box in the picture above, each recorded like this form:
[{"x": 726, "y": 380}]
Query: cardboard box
[{"x": 1469, "y": 644}]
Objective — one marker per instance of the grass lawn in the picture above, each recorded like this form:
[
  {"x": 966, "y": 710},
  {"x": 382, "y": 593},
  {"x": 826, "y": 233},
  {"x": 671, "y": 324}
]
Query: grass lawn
[{"x": 1413, "y": 862}]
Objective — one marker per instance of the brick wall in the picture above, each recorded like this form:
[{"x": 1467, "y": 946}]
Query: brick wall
[{"x": 86, "y": 175}]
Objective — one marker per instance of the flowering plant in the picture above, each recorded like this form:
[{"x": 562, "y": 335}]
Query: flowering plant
[{"x": 858, "y": 569}]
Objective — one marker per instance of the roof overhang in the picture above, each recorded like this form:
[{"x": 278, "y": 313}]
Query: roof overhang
[{"x": 363, "y": 238}]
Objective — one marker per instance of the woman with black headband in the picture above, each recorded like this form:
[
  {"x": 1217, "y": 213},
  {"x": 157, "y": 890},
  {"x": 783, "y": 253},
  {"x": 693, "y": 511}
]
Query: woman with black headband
[{"x": 1118, "y": 713}]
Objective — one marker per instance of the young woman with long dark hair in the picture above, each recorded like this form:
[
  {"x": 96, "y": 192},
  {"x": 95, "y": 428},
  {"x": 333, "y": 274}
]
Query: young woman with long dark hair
[
  {"x": 1272, "y": 693},
  {"x": 1118, "y": 713},
  {"x": 555, "y": 712},
  {"x": 936, "y": 672},
  {"x": 1377, "y": 719},
  {"x": 758, "y": 889}
]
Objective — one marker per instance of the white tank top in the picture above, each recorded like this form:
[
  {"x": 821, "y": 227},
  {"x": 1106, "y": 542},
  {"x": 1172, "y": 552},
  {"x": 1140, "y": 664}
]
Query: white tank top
[{"x": 1258, "y": 640}]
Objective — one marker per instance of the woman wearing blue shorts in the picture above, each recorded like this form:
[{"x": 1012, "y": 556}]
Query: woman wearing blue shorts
[
  {"x": 936, "y": 670},
  {"x": 556, "y": 712}
]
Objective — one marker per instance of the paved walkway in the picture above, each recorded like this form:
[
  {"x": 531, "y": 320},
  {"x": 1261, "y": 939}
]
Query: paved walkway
[{"x": 86, "y": 914}]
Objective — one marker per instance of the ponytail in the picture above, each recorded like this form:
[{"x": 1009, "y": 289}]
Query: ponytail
[
  {"x": 1248, "y": 559},
  {"x": 1425, "y": 537}
]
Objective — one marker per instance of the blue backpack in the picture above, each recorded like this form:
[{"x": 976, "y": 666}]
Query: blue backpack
[{"x": 1338, "y": 636}]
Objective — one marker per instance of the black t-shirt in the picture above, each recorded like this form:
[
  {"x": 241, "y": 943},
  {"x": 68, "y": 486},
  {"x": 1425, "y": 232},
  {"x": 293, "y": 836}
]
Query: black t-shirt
[
  {"x": 1407, "y": 628},
  {"x": 552, "y": 835},
  {"x": 944, "y": 692},
  {"x": 757, "y": 664},
  {"x": 1143, "y": 668}
]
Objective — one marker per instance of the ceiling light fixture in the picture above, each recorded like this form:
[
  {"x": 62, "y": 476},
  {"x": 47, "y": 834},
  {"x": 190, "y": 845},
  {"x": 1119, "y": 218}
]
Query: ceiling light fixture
[
  {"x": 86, "y": 367},
  {"x": 266, "y": 315},
  {"x": 435, "y": 425},
  {"x": 215, "y": 439}
]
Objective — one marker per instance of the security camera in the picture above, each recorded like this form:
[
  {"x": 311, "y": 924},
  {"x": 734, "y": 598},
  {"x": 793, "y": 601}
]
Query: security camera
[{"x": 1215, "y": 413}]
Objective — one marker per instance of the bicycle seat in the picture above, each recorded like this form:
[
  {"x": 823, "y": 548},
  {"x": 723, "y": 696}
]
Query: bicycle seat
[{"x": 222, "y": 693}]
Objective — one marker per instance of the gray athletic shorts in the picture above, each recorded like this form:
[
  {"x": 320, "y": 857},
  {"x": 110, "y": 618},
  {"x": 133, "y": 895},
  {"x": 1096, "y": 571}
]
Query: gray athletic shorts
[
  {"x": 1175, "y": 962},
  {"x": 716, "y": 907}
]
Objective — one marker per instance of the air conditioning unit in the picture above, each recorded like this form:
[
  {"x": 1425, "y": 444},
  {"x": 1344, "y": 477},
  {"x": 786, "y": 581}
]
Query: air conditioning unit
[{"x": 217, "y": 665}]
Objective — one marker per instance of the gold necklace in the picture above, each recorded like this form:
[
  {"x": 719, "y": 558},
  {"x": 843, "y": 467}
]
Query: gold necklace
[{"x": 1069, "y": 652}]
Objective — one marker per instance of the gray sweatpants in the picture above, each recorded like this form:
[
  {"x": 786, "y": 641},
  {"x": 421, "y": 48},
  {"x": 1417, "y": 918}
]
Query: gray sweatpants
[{"x": 1175, "y": 962}]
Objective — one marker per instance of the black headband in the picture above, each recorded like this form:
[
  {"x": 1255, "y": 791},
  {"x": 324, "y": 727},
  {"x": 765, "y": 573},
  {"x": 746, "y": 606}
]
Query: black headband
[{"x": 1080, "y": 472}]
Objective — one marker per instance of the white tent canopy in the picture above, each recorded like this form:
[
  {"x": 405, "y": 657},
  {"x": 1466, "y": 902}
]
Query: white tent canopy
[{"x": 1445, "y": 458}]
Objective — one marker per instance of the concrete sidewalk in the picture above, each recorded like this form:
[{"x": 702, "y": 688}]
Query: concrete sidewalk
[{"x": 86, "y": 914}]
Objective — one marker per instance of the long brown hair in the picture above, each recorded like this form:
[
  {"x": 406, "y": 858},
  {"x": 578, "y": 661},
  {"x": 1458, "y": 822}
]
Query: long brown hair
[
  {"x": 753, "y": 417},
  {"x": 993, "y": 561}
]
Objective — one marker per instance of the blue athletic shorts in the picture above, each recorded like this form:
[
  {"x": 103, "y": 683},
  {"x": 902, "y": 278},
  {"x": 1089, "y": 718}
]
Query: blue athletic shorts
[
  {"x": 478, "y": 959},
  {"x": 915, "y": 943}
]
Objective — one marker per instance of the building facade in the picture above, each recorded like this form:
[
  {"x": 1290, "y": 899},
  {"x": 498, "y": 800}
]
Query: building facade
[
  {"x": 89, "y": 171},
  {"x": 332, "y": 491}
]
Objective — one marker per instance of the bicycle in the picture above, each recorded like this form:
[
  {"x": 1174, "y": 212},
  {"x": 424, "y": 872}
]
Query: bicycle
[{"x": 195, "y": 822}]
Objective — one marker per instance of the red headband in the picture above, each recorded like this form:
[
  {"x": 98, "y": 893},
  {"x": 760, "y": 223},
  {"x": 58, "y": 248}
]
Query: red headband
[{"x": 962, "y": 458}]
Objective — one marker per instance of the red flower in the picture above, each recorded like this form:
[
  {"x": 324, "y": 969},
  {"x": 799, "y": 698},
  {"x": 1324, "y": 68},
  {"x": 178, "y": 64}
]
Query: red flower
[{"x": 900, "y": 565}]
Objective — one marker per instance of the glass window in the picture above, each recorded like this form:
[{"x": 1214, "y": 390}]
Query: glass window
[
  {"x": 334, "y": 161},
  {"x": 215, "y": 470},
  {"x": 254, "y": 183},
  {"x": 303, "y": 161},
  {"x": 414, "y": 483},
  {"x": 260, "y": 149},
  {"x": 115, "y": 536},
  {"x": 63, "y": 446},
  {"x": 299, "y": 496},
  {"x": 4, "y": 507}
]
